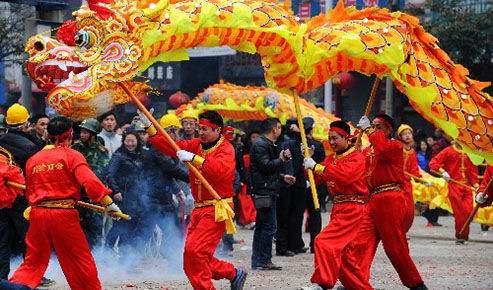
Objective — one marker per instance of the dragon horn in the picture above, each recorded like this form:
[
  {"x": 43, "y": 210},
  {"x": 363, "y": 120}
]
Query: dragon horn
[{"x": 155, "y": 9}]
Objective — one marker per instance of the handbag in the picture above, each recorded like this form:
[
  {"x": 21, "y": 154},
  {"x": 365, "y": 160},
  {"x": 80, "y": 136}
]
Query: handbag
[{"x": 262, "y": 201}]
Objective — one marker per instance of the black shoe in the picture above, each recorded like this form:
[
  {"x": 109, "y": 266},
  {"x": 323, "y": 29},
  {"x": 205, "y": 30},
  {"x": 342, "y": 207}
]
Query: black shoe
[
  {"x": 436, "y": 224},
  {"x": 421, "y": 286},
  {"x": 270, "y": 266},
  {"x": 460, "y": 242},
  {"x": 285, "y": 253},
  {"x": 239, "y": 281},
  {"x": 45, "y": 282},
  {"x": 301, "y": 251}
]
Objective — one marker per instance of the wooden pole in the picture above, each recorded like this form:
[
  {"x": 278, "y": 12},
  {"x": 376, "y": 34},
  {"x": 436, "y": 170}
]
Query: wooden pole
[
  {"x": 488, "y": 190},
  {"x": 170, "y": 141},
  {"x": 369, "y": 106},
  {"x": 311, "y": 178},
  {"x": 453, "y": 180},
  {"x": 80, "y": 203}
]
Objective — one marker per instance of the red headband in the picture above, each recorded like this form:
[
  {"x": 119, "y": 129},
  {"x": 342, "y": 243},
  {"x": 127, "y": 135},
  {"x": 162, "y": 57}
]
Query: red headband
[
  {"x": 205, "y": 122},
  {"x": 339, "y": 131},
  {"x": 227, "y": 131},
  {"x": 383, "y": 120},
  {"x": 60, "y": 139}
]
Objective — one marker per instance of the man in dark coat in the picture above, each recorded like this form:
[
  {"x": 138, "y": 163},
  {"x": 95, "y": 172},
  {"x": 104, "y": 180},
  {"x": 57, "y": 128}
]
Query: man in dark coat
[
  {"x": 266, "y": 162},
  {"x": 22, "y": 145}
]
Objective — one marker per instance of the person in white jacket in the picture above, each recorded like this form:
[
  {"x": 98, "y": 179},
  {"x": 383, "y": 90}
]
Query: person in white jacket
[{"x": 112, "y": 140}]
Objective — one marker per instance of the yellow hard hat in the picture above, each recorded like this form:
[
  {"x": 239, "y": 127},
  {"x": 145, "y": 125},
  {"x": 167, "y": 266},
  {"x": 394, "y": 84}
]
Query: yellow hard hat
[
  {"x": 189, "y": 114},
  {"x": 169, "y": 120},
  {"x": 17, "y": 114},
  {"x": 402, "y": 128}
]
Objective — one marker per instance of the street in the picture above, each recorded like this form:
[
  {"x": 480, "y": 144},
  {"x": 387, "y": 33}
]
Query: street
[{"x": 442, "y": 264}]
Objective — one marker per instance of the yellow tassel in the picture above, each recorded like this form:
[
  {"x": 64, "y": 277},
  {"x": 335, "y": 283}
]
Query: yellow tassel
[
  {"x": 224, "y": 212},
  {"x": 27, "y": 213}
]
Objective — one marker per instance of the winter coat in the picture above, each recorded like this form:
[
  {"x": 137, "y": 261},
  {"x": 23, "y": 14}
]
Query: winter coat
[{"x": 265, "y": 168}]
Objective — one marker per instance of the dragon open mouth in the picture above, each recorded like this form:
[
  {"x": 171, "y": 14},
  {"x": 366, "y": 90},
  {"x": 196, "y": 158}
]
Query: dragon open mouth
[{"x": 50, "y": 73}]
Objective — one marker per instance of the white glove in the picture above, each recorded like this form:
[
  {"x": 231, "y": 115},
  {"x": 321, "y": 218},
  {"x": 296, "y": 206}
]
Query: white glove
[
  {"x": 446, "y": 176},
  {"x": 184, "y": 155},
  {"x": 309, "y": 163},
  {"x": 112, "y": 208},
  {"x": 364, "y": 123},
  {"x": 481, "y": 198},
  {"x": 311, "y": 149},
  {"x": 429, "y": 184},
  {"x": 145, "y": 121}
]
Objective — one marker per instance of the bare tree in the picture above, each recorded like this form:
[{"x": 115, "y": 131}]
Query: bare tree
[{"x": 12, "y": 30}]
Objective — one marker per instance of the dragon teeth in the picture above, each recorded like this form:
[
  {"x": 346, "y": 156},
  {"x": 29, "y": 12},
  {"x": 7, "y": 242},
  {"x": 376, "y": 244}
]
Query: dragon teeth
[{"x": 62, "y": 66}]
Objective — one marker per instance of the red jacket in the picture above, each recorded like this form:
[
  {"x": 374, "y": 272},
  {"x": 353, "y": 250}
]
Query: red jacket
[
  {"x": 59, "y": 173},
  {"x": 384, "y": 161},
  {"x": 345, "y": 173},
  {"x": 12, "y": 173},
  {"x": 218, "y": 167},
  {"x": 457, "y": 164}
]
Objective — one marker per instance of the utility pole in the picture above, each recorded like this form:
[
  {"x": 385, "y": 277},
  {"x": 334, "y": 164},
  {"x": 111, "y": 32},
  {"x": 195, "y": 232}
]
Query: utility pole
[{"x": 328, "y": 85}]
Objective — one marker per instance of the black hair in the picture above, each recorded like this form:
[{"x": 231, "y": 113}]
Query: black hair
[
  {"x": 268, "y": 124},
  {"x": 104, "y": 115},
  {"x": 59, "y": 125},
  {"x": 36, "y": 118},
  {"x": 387, "y": 118},
  {"x": 136, "y": 134},
  {"x": 341, "y": 125},
  {"x": 213, "y": 117}
]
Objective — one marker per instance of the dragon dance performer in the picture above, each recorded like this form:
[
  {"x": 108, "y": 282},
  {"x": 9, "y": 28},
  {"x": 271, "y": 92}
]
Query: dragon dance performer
[
  {"x": 54, "y": 177},
  {"x": 452, "y": 163},
  {"x": 214, "y": 156},
  {"x": 411, "y": 167},
  {"x": 485, "y": 198},
  {"x": 9, "y": 172},
  {"x": 385, "y": 216},
  {"x": 344, "y": 174}
]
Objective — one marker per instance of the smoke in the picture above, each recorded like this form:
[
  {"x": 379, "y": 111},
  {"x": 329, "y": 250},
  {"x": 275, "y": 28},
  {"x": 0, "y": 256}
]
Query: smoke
[{"x": 159, "y": 258}]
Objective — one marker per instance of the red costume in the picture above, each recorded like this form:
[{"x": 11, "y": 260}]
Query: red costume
[
  {"x": 344, "y": 175},
  {"x": 461, "y": 169},
  {"x": 54, "y": 177},
  {"x": 247, "y": 212},
  {"x": 385, "y": 216},
  {"x": 411, "y": 167},
  {"x": 12, "y": 173},
  {"x": 217, "y": 164},
  {"x": 487, "y": 176}
]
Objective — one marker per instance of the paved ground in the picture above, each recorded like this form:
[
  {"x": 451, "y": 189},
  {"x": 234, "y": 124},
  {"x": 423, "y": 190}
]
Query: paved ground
[{"x": 442, "y": 264}]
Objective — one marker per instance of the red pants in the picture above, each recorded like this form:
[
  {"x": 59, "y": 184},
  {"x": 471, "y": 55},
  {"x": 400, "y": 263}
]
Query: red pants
[
  {"x": 334, "y": 255},
  {"x": 199, "y": 262},
  {"x": 384, "y": 220},
  {"x": 461, "y": 200},
  {"x": 57, "y": 229},
  {"x": 409, "y": 217}
]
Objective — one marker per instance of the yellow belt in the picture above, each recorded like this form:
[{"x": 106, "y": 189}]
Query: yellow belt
[
  {"x": 386, "y": 187},
  {"x": 222, "y": 212},
  {"x": 210, "y": 202},
  {"x": 58, "y": 203},
  {"x": 349, "y": 198}
]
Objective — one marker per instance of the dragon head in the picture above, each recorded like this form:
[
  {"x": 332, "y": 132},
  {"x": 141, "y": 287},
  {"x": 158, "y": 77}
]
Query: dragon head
[{"x": 81, "y": 68}]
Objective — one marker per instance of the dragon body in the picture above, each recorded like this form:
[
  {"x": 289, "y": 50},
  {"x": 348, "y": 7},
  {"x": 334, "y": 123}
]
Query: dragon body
[{"x": 115, "y": 41}]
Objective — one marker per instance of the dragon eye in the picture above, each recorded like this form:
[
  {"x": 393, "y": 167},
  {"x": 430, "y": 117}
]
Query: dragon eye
[{"x": 83, "y": 39}]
